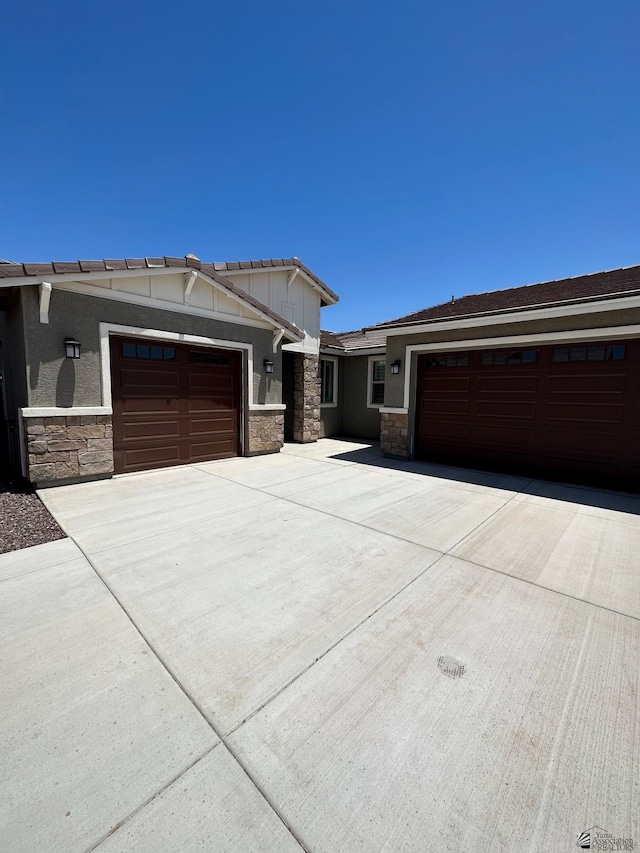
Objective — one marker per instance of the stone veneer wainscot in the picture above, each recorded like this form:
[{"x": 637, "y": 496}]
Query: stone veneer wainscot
[
  {"x": 394, "y": 434},
  {"x": 68, "y": 447},
  {"x": 265, "y": 433}
]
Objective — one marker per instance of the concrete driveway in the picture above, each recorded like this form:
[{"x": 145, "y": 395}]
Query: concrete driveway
[{"x": 322, "y": 650}]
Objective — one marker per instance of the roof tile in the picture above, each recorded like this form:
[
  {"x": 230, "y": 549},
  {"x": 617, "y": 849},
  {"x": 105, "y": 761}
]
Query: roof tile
[
  {"x": 66, "y": 266},
  {"x": 11, "y": 270},
  {"x": 38, "y": 269},
  {"x": 566, "y": 290},
  {"x": 92, "y": 266}
]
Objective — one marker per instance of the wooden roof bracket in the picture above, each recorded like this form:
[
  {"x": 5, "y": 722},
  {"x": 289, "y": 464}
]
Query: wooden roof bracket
[
  {"x": 277, "y": 337},
  {"x": 45, "y": 299}
]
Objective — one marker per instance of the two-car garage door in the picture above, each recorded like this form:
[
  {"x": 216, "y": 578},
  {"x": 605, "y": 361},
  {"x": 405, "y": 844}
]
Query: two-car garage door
[
  {"x": 570, "y": 410},
  {"x": 173, "y": 404}
]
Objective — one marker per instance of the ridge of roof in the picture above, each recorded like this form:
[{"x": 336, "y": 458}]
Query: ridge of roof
[
  {"x": 51, "y": 268},
  {"x": 603, "y": 283},
  {"x": 268, "y": 263}
]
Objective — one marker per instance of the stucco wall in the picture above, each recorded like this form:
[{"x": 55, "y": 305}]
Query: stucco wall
[
  {"x": 358, "y": 419},
  {"x": 396, "y": 344},
  {"x": 331, "y": 416},
  {"x": 53, "y": 380}
]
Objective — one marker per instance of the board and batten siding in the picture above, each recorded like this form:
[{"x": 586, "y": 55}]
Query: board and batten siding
[{"x": 299, "y": 303}]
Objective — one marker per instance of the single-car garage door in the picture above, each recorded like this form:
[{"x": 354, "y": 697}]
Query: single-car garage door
[
  {"x": 173, "y": 403},
  {"x": 571, "y": 410}
]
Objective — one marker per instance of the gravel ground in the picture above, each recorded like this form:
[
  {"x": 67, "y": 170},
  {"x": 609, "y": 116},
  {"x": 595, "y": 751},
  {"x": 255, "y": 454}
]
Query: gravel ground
[{"x": 24, "y": 519}]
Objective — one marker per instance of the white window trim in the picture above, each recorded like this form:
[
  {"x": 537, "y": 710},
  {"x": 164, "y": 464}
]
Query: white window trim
[
  {"x": 373, "y": 358},
  {"x": 335, "y": 382}
]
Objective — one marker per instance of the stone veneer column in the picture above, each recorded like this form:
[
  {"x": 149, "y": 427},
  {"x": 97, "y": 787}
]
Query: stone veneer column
[
  {"x": 306, "y": 390},
  {"x": 394, "y": 434},
  {"x": 265, "y": 433},
  {"x": 68, "y": 447}
]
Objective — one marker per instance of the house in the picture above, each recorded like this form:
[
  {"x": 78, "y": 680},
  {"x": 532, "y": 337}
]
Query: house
[
  {"x": 122, "y": 365},
  {"x": 543, "y": 379},
  {"x": 352, "y": 378},
  {"x": 116, "y": 366}
]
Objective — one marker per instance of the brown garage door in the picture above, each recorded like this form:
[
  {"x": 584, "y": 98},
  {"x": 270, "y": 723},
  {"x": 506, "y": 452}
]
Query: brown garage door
[
  {"x": 566, "y": 410},
  {"x": 173, "y": 404}
]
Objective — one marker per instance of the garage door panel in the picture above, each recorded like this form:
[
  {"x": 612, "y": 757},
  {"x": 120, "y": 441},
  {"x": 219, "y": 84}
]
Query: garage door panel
[
  {"x": 507, "y": 385},
  {"x": 149, "y": 457},
  {"x": 506, "y": 409},
  {"x": 158, "y": 427},
  {"x": 204, "y": 405},
  {"x": 147, "y": 381},
  {"x": 574, "y": 383},
  {"x": 591, "y": 413},
  {"x": 566, "y": 418},
  {"x": 178, "y": 408},
  {"x": 218, "y": 448},
  {"x": 223, "y": 423},
  {"x": 446, "y": 384},
  {"x": 218, "y": 380},
  {"x": 511, "y": 433}
]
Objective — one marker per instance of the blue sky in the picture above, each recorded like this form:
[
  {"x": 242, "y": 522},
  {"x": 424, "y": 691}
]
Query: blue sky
[{"x": 406, "y": 152}]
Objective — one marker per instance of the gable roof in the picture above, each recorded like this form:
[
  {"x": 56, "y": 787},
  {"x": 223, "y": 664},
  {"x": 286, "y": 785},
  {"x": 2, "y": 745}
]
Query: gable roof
[
  {"x": 83, "y": 268},
  {"x": 351, "y": 341},
  {"x": 592, "y": 286},
  {"x": 268, "y": 263}
]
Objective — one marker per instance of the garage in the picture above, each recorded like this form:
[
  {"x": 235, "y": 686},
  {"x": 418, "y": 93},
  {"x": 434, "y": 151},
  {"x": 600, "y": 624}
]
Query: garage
[
  {"x": 571, "y": 410},
  {"x": 173, "y": 404}
]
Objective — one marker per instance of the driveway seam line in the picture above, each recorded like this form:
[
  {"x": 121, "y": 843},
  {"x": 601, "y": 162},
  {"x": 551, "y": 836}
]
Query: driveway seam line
[
  {"x": 448, "y": 552},
  {"x": 546, "y": 588},
  {"x": 168, "y": 530},
  {"x": 192, "y": 700},
  {"x": 42, "y": 569},
  {"x": 484, "y": 521},
  {"x": 149, "y": 800},
  {"x": 337, "y": 642}
]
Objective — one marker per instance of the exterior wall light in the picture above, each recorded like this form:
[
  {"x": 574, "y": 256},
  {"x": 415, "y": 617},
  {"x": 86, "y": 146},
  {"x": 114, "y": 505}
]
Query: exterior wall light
[
  {"x": 71, "y": 348},
  {"x": 396, "y": 365},
  {"x": 268, "y": 366}
]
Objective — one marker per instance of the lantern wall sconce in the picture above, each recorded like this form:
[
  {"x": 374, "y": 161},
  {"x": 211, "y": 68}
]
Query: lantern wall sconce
[
  {"x": 268, "y": 366},
  {"x": 396, "y": 365},
  {"x": 71, "y": 348}
]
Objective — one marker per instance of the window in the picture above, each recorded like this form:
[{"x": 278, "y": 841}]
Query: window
[
  {"x": 447, "y": 361},
  {"x": 589, "y": 353},
  {"x": 328, "y": 382},
  {"x": 520, "y": 356},
  {"x": 156, "y": 353},
  {"x": 376, "y": 382}
]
